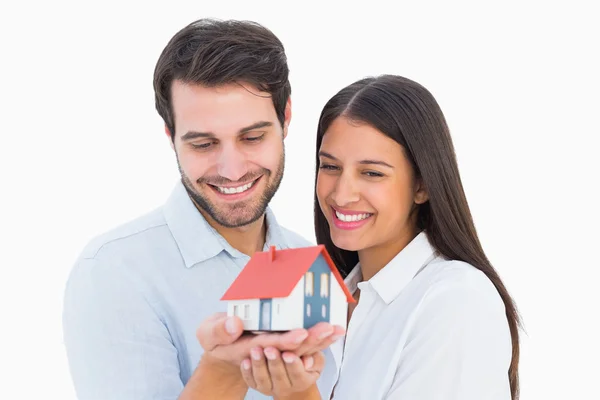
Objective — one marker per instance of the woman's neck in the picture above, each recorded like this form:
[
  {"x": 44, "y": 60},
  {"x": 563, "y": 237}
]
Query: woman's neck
[{"x": 374, "y": 259}]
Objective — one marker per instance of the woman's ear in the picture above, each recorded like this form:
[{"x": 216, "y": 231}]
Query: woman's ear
[{"x": 421, "y": 195}]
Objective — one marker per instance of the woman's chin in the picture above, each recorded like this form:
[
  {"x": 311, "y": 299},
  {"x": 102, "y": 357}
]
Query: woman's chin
[{"x": 345, "y": 243}]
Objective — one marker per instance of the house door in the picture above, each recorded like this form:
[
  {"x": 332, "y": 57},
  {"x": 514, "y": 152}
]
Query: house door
[{"x": 265, "y": 315}]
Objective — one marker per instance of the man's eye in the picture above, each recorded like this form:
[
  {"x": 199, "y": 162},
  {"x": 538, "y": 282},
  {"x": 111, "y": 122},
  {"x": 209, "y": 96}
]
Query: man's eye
[
  {"x": 254, "y": 138},
  {"x": 201, "y": 145}
]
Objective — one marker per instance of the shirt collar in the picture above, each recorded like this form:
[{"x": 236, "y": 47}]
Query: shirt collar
[
  {"x": 196, "y": 239},
  {"x": 393, "y": 278},
  {"x": 353, "y": 278},
  {"x": 275, "y": 235}
]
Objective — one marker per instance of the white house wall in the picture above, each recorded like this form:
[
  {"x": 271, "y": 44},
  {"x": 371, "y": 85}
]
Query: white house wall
[
  {"x": 251, "y": 323},
  {"x": 339, "y": 304},
  {"x": 291, "y": 309},
  {"x": 278, "y": 314}
]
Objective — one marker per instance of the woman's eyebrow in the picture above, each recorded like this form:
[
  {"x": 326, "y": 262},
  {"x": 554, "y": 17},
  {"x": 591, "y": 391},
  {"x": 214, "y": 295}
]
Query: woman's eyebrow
[{"x": 375, "y": 162}]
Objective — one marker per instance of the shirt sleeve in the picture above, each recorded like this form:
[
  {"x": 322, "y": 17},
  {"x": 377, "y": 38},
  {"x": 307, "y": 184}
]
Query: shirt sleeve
[
  {"x": 117, "y": 346},
  {"x": 460, "y": 347}
]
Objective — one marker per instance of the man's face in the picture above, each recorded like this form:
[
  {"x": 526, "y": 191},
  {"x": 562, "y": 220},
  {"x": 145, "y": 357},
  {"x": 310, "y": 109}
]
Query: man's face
[{"x": 229, "y": 147}]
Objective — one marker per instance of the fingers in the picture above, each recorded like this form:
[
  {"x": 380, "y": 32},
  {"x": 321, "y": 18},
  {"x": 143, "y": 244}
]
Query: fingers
[
  {"x": 235, "y": 348},
  {"x": 321, "y": 336},
  {"x": 292, "y": 339},
  {"x": 302, "y": 341},
  {"x": 277, "y": 370},
  {"x": 246, "y": 369},
  {"x": 281, "y": 374},
  {"x": 338, "y": 333},
  {"x": 283, "y": 341},
  {"x": 260, "y": 371},
  {"x": 316, "y": 335},
  {"x": 302, "y": 372},
  {"x": 314, "y": 362},
  {"x": 219, "y": 329}
]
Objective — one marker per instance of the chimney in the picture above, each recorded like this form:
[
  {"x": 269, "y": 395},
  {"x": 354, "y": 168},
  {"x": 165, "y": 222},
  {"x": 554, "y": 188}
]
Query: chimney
[{"x": 272, "y": 253}]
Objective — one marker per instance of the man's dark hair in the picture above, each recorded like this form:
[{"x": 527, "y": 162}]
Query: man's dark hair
[{"x": 212, "y": 53}]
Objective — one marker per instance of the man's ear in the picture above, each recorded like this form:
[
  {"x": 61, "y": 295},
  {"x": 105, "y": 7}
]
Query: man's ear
[
  {"x": 170, "y": 136},
  {"x": 421, "y": 195},
  {"x": 287, "y": 116}
]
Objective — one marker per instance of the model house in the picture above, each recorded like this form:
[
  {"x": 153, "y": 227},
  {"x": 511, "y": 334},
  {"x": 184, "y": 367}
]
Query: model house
[{"x": 280, "y": 290}]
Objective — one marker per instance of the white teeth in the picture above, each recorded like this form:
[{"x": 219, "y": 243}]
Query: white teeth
[
  {"x": 351, "y": 218},
  {"x": 233, "y": 190}
]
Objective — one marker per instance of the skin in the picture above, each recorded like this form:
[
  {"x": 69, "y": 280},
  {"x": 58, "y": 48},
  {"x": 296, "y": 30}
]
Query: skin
[
  {"x": 361, "y": 171},
  {"x": 227, "y": 137},
  {"x": 282, "y": 375},
  {"x": 219, "y": 373},
  {"x": 364, "y": 171}
]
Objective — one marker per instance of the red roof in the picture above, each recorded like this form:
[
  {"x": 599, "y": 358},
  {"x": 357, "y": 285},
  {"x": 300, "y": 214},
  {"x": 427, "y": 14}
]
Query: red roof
[{"x": 275, "y": 273}]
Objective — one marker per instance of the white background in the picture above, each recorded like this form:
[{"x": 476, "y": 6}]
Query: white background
[{"x": 82, "y": 150}]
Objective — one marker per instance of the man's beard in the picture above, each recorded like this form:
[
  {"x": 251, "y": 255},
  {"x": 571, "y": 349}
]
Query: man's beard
[{"x": 244, "y": 212}]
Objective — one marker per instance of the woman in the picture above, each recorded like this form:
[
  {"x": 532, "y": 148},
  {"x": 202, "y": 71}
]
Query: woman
[{"x": 433, "y": 319}]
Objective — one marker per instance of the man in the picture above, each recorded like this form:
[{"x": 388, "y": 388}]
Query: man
[{"x": 137, "y": 294}]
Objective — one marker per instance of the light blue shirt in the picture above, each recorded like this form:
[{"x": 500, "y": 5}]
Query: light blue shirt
[{"x": 137, "y": 294}]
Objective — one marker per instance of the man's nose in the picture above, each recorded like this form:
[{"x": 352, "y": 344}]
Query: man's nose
[{"x": 232, "y": 163}]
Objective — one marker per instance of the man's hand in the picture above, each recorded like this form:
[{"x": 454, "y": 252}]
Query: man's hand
[
  {"x": 218, "y": 375},
  {"x": 282, "y": 375},
  {"x": 222, "y": 340}
]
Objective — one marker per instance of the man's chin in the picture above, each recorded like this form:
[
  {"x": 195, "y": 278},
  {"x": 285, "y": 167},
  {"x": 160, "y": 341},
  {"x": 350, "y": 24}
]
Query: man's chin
[
  {"x": 235, "y": 220},
  {"x": 235, "y": 213}
]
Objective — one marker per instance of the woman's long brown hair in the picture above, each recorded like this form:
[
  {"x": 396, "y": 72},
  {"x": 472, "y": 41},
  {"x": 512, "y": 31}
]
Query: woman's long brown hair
[{"x": 408, "y": 113}]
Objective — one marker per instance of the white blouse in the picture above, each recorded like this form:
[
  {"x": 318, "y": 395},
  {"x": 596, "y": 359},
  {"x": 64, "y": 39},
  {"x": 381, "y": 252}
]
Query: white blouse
[{"x": 425, "y": 328}]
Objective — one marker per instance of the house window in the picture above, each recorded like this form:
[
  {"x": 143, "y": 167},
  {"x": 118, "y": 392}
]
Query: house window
[
  {"x": 324, "y": 285},
  {"x": 309, "y": 284},
  {"x": 246, "y": 311},
  {"x": 308, "y": 310},
  {"x": 278, "y": 308},
  {"x": 323, "y": 311},
  {"x": 235, "y": 310}
]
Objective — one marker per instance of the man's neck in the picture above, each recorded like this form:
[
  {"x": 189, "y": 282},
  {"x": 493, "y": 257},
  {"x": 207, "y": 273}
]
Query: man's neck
[{"x": 247, "y": 239}]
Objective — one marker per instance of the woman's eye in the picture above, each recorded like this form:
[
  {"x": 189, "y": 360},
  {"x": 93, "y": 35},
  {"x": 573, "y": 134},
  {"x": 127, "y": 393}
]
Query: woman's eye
[
  {"x": 374, "y": 174},
  {"x": 327, "y": 166}
]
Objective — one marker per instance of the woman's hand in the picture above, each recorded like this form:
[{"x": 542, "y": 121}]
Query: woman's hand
[{"x": 281, "y": 374}]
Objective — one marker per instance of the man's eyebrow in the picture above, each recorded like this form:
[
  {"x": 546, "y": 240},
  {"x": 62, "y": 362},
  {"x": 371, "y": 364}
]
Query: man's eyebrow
[
  {"x": 366, "y": 162},
  {"x": 257, "y": 125},
  {"x": 195, "y": 135}
]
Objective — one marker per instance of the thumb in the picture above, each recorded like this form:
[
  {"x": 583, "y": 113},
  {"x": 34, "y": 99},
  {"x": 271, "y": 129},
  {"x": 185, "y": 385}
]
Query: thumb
[{"x": 219, "y": 330}]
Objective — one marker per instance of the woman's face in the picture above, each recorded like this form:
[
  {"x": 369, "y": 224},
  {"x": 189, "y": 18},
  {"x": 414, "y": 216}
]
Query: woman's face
[{"x": 366, "y": 187}]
